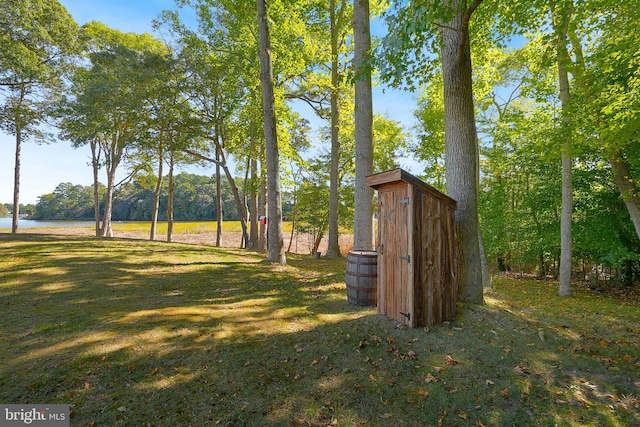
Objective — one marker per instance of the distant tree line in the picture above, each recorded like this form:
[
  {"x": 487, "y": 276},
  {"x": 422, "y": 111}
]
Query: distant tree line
[{"x": 194, "y": 200}]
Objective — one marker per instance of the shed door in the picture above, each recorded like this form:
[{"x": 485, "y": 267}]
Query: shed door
[{"x": 394, "y": 287}]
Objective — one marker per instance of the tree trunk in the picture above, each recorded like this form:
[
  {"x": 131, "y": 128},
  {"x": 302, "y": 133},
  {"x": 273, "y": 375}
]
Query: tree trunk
[
  {"x": 623, "y": 179},
  {"x": 363, "y": 116},
  {"x": 156, "y": 198},
  {"x": 218, "y": 201},
  {"x": 486, "y": 274},
  {"x": 16, "y": 183},
  {"x": 95, "y": 163},
  {"x": 275, "y": 238},
  {"x": 461, "y": 148},
  {"x": 561, "y": 23},
  {"x": 253, "y": 204},
  {"x": 262, "y": 211},
  {"x": 105, "y": 230},
  {"x": 316, "y": 242},
  {"x": 333, "y": 248},
  {"x": 170, "y": 198},
  {"x": 240, "y": 206}
]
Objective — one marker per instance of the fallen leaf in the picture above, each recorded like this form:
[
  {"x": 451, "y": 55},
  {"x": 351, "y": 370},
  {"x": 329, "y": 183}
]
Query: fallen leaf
[
  {"x": 423, "y": 393},
  {"x": 505, "y": 393},
  {"x": 463, "y": 415},
  {"x": 489, "y": 382},
  {"x": 450, "y": 361},
  {"x": 122, "y": 409},
  {"x": 299, "y": 421},
  {"x": 362, "y": 344},
  {"x": 132, "y": 367},
  {"x": 430, "y": 378},
  {"x": 603, "y": 344}
]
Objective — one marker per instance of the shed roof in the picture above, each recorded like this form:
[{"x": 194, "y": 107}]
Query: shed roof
[{"x": 377, "y": 180}]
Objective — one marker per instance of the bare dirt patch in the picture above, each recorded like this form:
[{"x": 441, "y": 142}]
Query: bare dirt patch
[{"x": 301, "y": 243}]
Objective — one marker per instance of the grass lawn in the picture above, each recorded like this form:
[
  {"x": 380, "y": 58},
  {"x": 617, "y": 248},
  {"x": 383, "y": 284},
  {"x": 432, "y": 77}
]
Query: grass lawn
[{"x": 138, "y": 333}]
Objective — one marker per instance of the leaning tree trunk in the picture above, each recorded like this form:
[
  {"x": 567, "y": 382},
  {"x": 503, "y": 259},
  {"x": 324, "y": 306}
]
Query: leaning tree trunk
[
  {"x": 363, "y": 115},
  {"x": 461, "y": 148},
  {"x": 275, "y": 239},
  {"x": 623, "y": 179}
]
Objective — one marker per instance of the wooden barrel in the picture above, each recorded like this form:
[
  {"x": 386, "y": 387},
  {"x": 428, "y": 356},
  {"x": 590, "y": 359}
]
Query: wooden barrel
[{"x": 362, "y": 277}]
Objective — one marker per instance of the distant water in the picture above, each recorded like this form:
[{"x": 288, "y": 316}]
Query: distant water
[{"x": 30, "y": 223}]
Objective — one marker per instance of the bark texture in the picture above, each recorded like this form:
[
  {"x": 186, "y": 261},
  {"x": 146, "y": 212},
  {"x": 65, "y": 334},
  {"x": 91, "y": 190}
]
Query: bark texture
[
  {"x": 363, "y": 195},
  {"x": 275, "y": 239},
  {"x": 461, "y": 150},
  {"x": 333, "y": 250}
]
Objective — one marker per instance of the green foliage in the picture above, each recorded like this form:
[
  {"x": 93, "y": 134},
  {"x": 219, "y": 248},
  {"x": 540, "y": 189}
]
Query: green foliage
[
  {"x": 519, "y": 129},
  {"x": 194, "y": 200},
  {"x": 67, "y": 201},
  {"x": 38, "y": 40}
]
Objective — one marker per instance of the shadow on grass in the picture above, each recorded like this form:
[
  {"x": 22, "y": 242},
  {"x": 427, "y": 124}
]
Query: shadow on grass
[{"x": 143, "y": 333}]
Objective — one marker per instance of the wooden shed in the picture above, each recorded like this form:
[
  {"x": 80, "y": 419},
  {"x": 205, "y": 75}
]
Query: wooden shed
[{"x": 417, "y": 270}]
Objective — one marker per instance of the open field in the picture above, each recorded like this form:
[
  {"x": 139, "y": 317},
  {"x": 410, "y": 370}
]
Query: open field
[{"x": 138, "y": 333}]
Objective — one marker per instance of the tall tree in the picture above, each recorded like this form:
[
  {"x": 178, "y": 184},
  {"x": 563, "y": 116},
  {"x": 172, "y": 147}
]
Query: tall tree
[
  {"x": 275, "y": 237},
  {"x": 337, "y": 17},
  {"x": 607, "y": 89},
  {"x": 561, "y": 19},
  {"x": 412, "y": 27},
  {"x": 363, "y": 118},
  {"x": 461, "y": 144},
  {"x": 108, "y": 100},
  {"x": 37, "y": 39}
]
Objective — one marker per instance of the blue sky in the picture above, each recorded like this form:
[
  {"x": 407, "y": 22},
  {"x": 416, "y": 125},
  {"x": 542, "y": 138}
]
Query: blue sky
[{"x": 43, "y": 167}]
